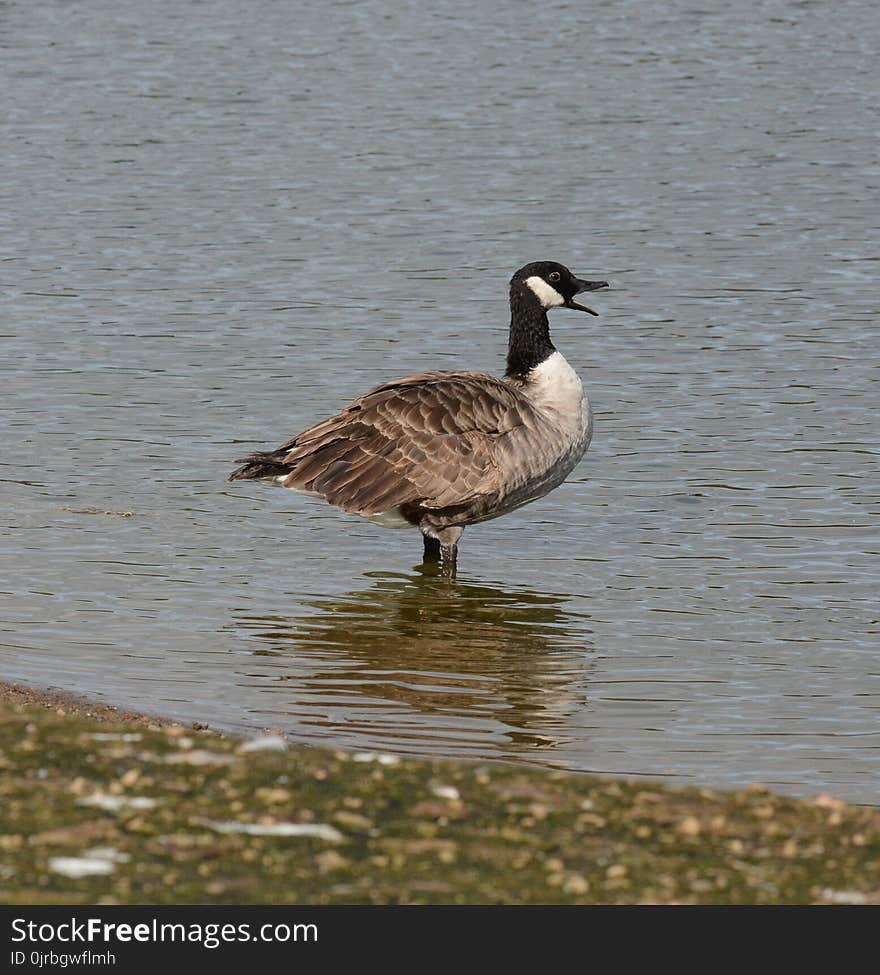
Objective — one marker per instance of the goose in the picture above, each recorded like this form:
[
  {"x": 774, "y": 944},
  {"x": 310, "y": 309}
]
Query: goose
[{"x": 442, "y": 450}]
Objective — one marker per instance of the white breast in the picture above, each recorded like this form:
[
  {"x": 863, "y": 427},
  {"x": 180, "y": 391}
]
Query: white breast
[
  {"x": 538, "y": 456},
  {"x": 556, "y": 388},
  {"x": 556, "y": 391}
]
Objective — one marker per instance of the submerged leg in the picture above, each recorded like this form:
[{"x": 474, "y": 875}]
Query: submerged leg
[
  {"x": 432, "y": 549},
  {"x": 448, "y": 559},
  {"x": 448, "y": 540}
]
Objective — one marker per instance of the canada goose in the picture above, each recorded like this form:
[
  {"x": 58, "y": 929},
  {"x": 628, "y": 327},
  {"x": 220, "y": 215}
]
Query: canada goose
[{"x": 442, "y": 450}]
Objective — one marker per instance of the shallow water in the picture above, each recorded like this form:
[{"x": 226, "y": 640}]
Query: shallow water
[{"x": 223, "y": 228}]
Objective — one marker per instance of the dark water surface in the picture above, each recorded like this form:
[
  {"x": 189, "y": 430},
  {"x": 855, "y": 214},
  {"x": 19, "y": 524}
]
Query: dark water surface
[{"x": 222, "y": 221}]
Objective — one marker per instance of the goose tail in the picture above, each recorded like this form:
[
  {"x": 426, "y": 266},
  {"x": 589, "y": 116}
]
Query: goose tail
[{"x": 268, "y": 464}]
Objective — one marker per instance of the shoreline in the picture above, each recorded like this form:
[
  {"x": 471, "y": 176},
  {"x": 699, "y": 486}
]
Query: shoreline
[
  {"x": 110, "y": 806},
  {"x": 81, "y": 705}
]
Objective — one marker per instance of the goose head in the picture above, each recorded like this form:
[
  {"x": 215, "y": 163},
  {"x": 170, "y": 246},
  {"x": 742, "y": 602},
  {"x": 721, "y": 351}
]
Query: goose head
[{"x": 553, "y": 285}]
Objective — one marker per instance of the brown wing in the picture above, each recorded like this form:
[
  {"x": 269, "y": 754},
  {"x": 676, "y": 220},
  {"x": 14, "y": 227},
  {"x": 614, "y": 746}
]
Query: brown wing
[{"x": 427, "y": 439}]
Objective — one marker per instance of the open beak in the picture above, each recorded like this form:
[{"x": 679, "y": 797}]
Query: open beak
[{"x": 585, "y": 286}]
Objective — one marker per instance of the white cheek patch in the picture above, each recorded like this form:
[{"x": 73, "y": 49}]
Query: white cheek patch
[{"x": 547, "y": 295}]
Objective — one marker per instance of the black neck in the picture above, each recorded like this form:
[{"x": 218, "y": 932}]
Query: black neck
[{"x": 529, "y": 343}]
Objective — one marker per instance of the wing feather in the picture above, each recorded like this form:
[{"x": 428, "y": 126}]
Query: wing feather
[{"x": 432, "y": 440}]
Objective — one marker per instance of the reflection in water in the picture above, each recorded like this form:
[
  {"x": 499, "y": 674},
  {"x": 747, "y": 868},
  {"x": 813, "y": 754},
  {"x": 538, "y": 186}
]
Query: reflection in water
[{"x": 423, "y": 664}]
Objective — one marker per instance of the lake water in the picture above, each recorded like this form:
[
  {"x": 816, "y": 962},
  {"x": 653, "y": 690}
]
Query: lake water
[{"x": 223, "y": 221}]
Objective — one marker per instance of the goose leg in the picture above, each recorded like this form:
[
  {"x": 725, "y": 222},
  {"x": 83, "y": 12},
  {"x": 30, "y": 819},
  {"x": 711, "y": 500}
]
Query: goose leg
[
  {"x": 448, "y": 557},
  {"x": 448, "y": 539},
  {"x": 432, "y": 549}
]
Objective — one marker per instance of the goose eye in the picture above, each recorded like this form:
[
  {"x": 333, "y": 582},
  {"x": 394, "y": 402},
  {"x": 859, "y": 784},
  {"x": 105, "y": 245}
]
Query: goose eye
[{"x": 553, "y": 276}]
